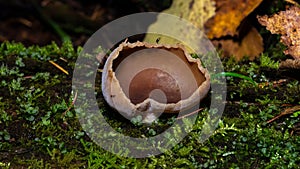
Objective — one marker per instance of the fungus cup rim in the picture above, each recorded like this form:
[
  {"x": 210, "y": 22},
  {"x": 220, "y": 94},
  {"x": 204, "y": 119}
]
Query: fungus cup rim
[{"x": 149, "y": 108}]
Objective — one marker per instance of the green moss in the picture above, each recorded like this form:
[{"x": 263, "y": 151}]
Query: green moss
[
  {"x": 266, "y": 61},
  {"x": 37, "y": 131}
]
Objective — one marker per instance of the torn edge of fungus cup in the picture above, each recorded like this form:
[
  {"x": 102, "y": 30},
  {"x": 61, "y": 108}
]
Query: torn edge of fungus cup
[{"x": 149, "y": 79}]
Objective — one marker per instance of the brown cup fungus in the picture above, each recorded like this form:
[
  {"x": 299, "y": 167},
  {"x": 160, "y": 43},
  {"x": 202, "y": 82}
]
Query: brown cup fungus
[{"x": 148, "y": 79}]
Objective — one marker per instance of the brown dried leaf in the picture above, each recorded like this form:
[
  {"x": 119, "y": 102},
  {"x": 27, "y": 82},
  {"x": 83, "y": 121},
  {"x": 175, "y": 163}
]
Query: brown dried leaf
[
  {"x": 250, "y": 45},
  {"x": 285, "y": 23},
  {"x": 229, "y": 16}
]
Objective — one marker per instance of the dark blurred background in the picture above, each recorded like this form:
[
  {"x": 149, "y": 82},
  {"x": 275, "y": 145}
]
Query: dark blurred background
[{"x": 39, "y": 22}]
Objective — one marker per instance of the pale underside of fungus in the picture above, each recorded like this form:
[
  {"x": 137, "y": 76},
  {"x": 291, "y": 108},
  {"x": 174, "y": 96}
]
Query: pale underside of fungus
[{"x": 148, "y": 79}]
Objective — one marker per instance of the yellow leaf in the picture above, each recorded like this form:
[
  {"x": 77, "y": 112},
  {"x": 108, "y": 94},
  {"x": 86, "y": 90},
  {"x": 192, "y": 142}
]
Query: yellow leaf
[
  {"x": 229, "y": 16},
  {"x": 196, "y": 12}
]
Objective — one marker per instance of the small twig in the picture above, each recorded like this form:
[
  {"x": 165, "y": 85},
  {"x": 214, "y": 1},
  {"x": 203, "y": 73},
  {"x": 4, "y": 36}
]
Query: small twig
[
  {"x": 59, "y": 67},
  {"x": 274, "y": 83},
  {"x": 25, "y": 22},
  {"x": 63, "y": 59},
  {"x": 285, "y": 112},
  {"x": 255, "y": 104},
  {"x": 96, "y": 13},
  {"x": 295, "y": 128},
  {"x": 28, "y": 77},
  {"x": 72, "y": 104},
  {"x": 194, "y": 112}
]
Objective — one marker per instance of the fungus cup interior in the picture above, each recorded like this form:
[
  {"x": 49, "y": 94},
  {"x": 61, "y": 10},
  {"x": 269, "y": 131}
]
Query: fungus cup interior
[{"x": 160, "y": 73}]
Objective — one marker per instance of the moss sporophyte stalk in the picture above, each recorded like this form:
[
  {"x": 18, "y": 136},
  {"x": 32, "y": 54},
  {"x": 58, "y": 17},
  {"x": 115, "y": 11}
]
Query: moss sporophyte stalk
[{"x": 232, "y": 74}]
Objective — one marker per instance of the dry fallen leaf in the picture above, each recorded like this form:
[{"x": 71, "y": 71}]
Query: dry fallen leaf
[
  {"x": 225, "y": 24},
  {"x": 229, "y": 15},
  {"x": 230, "y": 30},
  {"x": 250, "y": 45},
  {"x": 285, "y": 23},
  {"x": 196, "y": 12}
]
